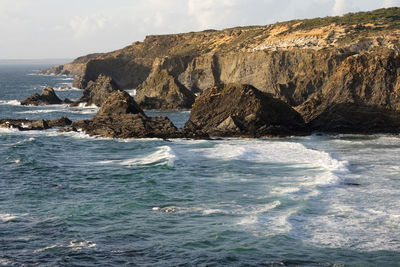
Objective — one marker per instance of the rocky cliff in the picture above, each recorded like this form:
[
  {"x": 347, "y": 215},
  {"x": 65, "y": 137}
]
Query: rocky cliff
[{"x": 316, "y": 65}]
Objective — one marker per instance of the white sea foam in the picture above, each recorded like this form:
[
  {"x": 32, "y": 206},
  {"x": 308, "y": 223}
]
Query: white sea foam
[
  {"x": 39, "y": 111},
  {"x": 10, "y": 102},
  {"x": 164, "y": 155},
  {"x": 74, "y": 245},
  {"x": 6, "y": 217},
  {"x": 253, "y": 212},
  {"x": 66, "y": 87},
  {"x": 288, "y": 153},
  {"x": 131, "y": 92}
]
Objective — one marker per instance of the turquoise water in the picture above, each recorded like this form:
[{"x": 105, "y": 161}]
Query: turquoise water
[{"x": 67, "y": 199}]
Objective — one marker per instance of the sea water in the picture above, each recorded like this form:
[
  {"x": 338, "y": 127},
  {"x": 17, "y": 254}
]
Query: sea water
[{"x": 73, "y": 200}]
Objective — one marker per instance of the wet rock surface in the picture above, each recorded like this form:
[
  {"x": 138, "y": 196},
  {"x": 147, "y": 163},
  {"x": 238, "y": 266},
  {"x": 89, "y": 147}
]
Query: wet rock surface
[
  {"x": 97, "y": 91},
  {"x": 243, "y": 110},
  {"x": 121, "y": 117},
  {"x": 162, "y": 91},
  {"x": 47, "y": 97},
  {"x": 29, "y": 125}
]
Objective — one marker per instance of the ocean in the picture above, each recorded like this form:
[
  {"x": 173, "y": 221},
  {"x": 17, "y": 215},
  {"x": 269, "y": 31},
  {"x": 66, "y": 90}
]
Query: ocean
[{"x": 67, "y": 199}]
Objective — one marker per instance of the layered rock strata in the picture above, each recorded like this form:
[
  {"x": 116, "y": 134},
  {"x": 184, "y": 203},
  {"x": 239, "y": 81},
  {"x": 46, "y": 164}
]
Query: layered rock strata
[
  {"x": 47, "y": 97},
  {"x": 317, "y": 66},
  {"x": 96, "y": 92},
  {"x": 121, "y": 117},
  {"x": 243, "y": 110}
]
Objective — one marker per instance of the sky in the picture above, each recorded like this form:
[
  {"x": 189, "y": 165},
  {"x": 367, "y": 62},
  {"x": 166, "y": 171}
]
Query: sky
[{"x": 44, "y": 29}]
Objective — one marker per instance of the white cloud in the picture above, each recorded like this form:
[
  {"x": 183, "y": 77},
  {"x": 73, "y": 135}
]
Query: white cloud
[
  {"x": 339, "y": 8},
  {"x": 390, "y": 3},
  {"x": 103, "y": 25},
  {"x": 84, "y": 26},
  {"x": 212, "y": 13}
]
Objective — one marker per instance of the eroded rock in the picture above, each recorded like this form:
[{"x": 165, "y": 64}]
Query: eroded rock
[
  {"x": 96, "y": 92},
  {"x": 121, "y": 117},
  {"x": 47, "y": 97},
  {"x": 162, "y": 91},
  {"x": 29, "y": 125},
  {"x": 242, "y": 110}
]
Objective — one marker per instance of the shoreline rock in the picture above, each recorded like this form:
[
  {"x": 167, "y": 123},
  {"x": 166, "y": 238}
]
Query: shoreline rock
[
  {"x": 97, "y": 91},
  {"x": 243, "y": 110},
  {"x": 30, "y": 125},
  {"x": 47, "y": 97},
  {"x": 162, "y": 91},
  {"x": 121, "y": 117}
]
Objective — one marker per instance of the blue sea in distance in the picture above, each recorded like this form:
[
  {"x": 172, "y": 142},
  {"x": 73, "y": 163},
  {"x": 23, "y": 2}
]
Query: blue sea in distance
[{"x": 67, "y": 199}]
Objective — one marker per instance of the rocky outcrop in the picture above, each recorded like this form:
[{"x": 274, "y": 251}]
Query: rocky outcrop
[
  {"x": 97, "y": 91},
  {"x": 163, "y": 91},
  {"x": 29, "y": 125},
  {"x": 47, "y": 97},
  {"x": 362, "y": 96},
  {"x": 121, "y": 117},
  {"x": 331, "y": 70},
  {"x": 243, "y": 110}
]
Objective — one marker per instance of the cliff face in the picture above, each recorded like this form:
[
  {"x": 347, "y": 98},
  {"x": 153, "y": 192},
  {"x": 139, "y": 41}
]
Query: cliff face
[{"x": 312, "y": 65}]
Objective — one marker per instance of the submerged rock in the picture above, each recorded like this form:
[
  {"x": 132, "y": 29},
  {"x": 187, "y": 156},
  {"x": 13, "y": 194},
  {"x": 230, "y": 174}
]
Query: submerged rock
[
  {"x": 29, "y": 125},
  {"x": 242, "y": 110},
  {"x": 121, "y": 117},
  {"x": 47, "y": 97},
  {"x": 97, "y": 91}
]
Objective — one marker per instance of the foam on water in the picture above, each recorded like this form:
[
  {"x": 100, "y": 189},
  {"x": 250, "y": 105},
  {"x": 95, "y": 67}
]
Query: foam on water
[
  {"x": 74, "y": 245},
  {"x": 291, "y": 153},
  {"x": 131, "y": 92},
  {"x": 164, "y": 155},
  {"x": 10, "y": 102},
  {"x": 66, "y": 87},
  {"x": 6, "y": 217}
]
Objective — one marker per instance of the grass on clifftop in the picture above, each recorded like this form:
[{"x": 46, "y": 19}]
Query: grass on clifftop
[{"x": 390, "y": 17}]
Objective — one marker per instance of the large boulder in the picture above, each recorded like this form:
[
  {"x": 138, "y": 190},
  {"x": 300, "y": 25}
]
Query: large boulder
[
  {"x": 47, "y": 97},
  {"x": 121, "y": 117},
  {"x": 243, "y": 110},
  {"x": 97, "y": 91},
  {"x": 162, "y": 91}
]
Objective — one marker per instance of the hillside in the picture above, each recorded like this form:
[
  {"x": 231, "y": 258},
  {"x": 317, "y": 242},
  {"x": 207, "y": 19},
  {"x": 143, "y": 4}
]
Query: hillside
[{"x": 312, "y": 64}]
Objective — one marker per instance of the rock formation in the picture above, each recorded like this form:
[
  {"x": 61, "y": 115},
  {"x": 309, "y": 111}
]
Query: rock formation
[
  {"x": 162, "y": 91},
  {"x": 97, "y": 91},
  {"x": 29, "y": 125},
  {"x": 363, "y": 96},
  {"x": 316, "y": 66},
  {"x": 121, "y": 117},
  {"x": 47, "y": 97},
  {"x": 243, "y": 110}
]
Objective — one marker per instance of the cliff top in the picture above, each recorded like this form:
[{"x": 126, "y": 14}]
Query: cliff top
[{"x": 354, "y": 31}]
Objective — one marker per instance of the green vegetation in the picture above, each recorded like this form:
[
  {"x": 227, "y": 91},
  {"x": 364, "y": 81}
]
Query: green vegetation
[{"x": 385, "y": 16}]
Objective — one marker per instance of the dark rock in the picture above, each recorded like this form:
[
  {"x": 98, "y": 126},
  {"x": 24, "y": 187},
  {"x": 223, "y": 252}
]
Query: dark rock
[
  {"x": 96, "y": 92},
  {"x": 121, "y": 117},
  {"x": 61, "y": 122},
  {"x": 242, "y": 110},
  {"x": 162, "y": 91},
  {"x": 119, "y": 103},
  {"x": 24, "y": 125},
  {"x": 29, "y": 125},
  {"x": 355, "y": 118},
  {"x": 47, "y": 97},
  {"x": 352, "y": 184}
]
